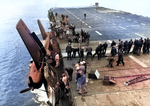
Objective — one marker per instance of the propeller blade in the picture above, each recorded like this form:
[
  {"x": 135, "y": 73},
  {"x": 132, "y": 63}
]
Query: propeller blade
[
  {"x": 36, "y": 39},
  {"x": 44, "y": 35},
  {"x": 25, "y": 90},
  {"x": 31, "y": 45}
]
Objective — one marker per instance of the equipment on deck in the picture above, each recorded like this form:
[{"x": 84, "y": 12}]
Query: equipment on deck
[
  {"x": 108, "y": 80},
  {"x": 94, "y": 74},
  {"x": 136, "y": 80}
]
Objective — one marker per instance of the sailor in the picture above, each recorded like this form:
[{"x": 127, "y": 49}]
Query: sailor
[
  {"x": 98, "y": 51},
  {"x": 89, "y": 52},
  {"x": 75, "y": 49},
  {"x": 73, "y": 29},
  {"x": 81, "y": 54},
  {"x": 69, "y": 50},
  {"x": 113, "y": 43},
  {"x": 120, "y": 57},
  {"x": 130, "y": 45},
  {"x": 105, "y": 45},
  {"x": 81, "y": 81},
  {"x": 126, "y": 47},
  {"x": 144, "y": 46}
]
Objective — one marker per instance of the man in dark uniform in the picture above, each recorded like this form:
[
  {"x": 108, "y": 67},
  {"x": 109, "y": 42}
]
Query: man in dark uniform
[
  {"x": 113, "y": 53},
  {"x": 98, "y": 51},
  {"x": 73, "y": 29},
  {"x": 130, "y": 45},
  {"x": 105, "y": 45},
  {"x": 120, "y": 57},
  {"x": 89, "y": 52},
  {"x": 144, "y": 46},
  {"x": 139, "y": 46},
  {"x": 75, "y": 49},
  {"x": 148, "y": 44},
  {"x": 69, "y": 50},
  {"x": 113, "y": 43},
  {"x": 87, "y": 38},
  {"x": 126, "y": 47},
  {"x": 84, "y": 16},
  {"x": 81, "y": 54}
]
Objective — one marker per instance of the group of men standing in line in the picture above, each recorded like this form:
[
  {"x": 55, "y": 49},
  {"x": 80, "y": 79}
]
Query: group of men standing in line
[
  {"x": 138, "y": 44},
  {"x": 123, "y": 48},
  {"x": 100, "y": 51}
]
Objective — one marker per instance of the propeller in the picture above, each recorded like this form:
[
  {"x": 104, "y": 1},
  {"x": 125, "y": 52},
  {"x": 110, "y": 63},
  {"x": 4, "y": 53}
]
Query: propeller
[
  {"x": 30, "y": 43},
  {"x": 38, "y": 54},
  {"x": 44, "y": 35}
]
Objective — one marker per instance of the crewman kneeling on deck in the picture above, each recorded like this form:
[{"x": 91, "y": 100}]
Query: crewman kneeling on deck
[{"x": 111, "y": 61}]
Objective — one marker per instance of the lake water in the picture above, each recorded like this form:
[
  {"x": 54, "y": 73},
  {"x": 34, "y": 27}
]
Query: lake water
[{"x": 14, "y": 56}]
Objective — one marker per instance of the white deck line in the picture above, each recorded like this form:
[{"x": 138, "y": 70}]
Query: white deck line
[
  {"x": 135, "y": 99},
  {"x": 129, "y": 20},
  {"x": 135, "y": 21},
  {"x": 122, "y": 27},
  {"x": 85, "y": 104},
  {"x": 142, "y": 24},
  {"x": 90, "y": 27},
  {"x": 138, "y": 61},
  {"x": 139, "y": 35},
  {"x": 98, "y": 33},
  {"x": 114, "y": 24},
  {"x": 109, "y": 41}
]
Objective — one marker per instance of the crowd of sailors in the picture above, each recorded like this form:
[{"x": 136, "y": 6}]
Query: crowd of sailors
[
  {"x": 138, "y": 46},
  {"x": 122, "y": 48},
  {"x": 64, "y": 30}
]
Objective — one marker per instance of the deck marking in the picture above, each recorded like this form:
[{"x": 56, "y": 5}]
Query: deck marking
[
  {"x": 109, "y": 41},
  {"x": 90, "y": 27},
  {"x": 82, "y": 21},
  {"x": 139, "y": 35},
  {"x": 122, "y": 17},
  {"x": 135, "y": 21},
  {"x": 98, "y": 33},
  {"x": 142, "y": 24},
  {"x": 129, "y": 20},
  {"x": 86, "y": 24},
  {"x": 85, "y": 104},
  {"x": 97, "y": 102},
  {"x": 135, "y": 99},
  {"x": 114, "y": 24},
  {"x": 122, "y": 27},
  {"x": 138, "y": 61}
]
